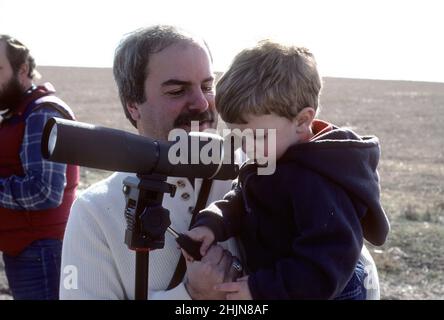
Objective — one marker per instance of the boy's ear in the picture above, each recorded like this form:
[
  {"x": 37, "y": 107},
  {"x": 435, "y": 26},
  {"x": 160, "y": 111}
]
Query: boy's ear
[{"x": 305, "y": 117}]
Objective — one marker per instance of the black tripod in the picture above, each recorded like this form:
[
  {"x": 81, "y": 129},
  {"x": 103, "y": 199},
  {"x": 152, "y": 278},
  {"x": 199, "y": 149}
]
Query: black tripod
[{"x": 146, "y": 223}]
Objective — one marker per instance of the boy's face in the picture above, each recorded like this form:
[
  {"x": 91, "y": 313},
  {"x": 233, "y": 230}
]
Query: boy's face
[{"x": 270, "y": 136}]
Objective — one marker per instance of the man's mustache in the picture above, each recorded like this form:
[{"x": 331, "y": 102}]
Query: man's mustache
[{"x": 186, "y": 118}]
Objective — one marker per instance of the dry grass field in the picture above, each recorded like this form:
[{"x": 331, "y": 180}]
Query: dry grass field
[{"x": 406, "y": 116}]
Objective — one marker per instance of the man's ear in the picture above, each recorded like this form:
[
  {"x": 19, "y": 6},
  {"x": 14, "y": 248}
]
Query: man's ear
[
  {"x": 23, "y": 72},
  {"x": 133, "y": 110}
]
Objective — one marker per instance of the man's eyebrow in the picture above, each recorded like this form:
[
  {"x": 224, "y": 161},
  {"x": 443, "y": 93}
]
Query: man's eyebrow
[
  {"x": 208, "y": 79},
  {"x": 176, "y": 82}
]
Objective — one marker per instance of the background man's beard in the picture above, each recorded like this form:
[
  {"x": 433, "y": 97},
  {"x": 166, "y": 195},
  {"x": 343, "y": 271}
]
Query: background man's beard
[{"x": 11, "y": 94}]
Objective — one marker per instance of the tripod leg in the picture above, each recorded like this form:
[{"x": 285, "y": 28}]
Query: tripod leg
[{"x": 141, "y": 289}]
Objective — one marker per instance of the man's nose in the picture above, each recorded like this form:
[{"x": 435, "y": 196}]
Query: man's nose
[{"x": 199, "y": 101}]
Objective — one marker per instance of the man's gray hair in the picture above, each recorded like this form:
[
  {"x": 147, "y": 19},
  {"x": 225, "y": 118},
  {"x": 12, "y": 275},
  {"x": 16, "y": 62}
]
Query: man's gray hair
[{"x": 132, "y": 56}]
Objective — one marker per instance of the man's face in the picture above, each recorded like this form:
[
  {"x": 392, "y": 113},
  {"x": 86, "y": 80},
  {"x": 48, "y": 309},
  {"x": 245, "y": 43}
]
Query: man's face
[
  {"x": 10, "y": 89},
  {"x": 179, "y": 89}
]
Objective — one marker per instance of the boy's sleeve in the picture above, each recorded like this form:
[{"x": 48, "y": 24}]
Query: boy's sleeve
[
  {"x": 325, "y": 249},
  {"x": 223, "y": 217}
]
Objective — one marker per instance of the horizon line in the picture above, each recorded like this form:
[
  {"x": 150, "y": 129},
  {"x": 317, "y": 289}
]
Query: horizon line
[{"x": 221, "y": 72}]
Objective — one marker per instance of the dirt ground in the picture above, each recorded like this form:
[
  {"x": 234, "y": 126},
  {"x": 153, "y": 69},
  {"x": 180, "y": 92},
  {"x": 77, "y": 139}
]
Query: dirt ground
[{"x": 406, "y": 116}]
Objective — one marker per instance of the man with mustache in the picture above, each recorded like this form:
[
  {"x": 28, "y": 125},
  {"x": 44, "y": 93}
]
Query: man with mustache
[
  {"x": 165, "y": 81},
  {"x": 35, "y": 194}
]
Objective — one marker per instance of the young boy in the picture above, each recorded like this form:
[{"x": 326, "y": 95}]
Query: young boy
[{"x": 302, "y": 227}]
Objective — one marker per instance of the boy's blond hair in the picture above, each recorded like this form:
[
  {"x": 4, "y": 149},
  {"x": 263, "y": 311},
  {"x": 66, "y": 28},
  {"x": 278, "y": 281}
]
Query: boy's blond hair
[{"x": 268, "y": 78}]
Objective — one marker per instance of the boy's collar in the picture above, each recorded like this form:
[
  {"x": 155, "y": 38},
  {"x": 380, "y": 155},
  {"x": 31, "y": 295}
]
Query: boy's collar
[{"x": 319, "y": 127}]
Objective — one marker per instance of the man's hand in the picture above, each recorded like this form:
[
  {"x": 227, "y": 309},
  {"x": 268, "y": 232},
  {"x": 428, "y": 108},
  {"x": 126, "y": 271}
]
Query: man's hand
[
  {"x": 204, "y": 235},
  {"x": 214, "y": 268},
  {"x": 238, "y": 290}
]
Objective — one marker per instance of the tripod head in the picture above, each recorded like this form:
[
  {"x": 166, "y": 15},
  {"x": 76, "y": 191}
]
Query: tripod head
[{"x": 145, "y": 217}]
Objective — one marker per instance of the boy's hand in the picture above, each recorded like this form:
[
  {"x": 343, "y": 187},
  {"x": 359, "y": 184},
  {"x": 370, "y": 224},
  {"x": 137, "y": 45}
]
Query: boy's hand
[
  {"x": 214, "y": 268},
  {"x": 238, "y": 290},
  {"x": 204, "y": 235}
]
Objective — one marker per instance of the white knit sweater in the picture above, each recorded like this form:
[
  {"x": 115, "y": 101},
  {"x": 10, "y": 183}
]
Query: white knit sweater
[{"x": 96, "y": 263}]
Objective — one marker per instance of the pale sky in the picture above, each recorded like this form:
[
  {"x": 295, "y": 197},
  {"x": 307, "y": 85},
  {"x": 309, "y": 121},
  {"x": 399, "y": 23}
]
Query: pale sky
[{"x": 376, "y": 39}]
